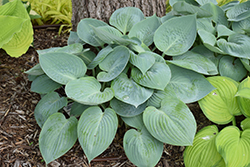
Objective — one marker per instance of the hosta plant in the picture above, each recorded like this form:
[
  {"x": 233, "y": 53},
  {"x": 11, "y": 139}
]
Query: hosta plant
[
  {"x": 230, "y": 146},
  {"x": 16, "y": 33},
  {"x": 136, "y": 69}
]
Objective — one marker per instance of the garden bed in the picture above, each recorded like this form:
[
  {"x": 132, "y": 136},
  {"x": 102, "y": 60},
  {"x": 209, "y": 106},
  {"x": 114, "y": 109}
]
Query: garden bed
[{"x": 19, "y": 132}]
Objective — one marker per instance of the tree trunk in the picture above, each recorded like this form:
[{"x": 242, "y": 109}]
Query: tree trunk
[{"x": 102, "y": 9}]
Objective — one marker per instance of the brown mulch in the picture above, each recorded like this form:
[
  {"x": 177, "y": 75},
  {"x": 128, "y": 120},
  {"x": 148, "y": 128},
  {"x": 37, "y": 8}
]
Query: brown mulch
[{"x": 19, "y": 131}]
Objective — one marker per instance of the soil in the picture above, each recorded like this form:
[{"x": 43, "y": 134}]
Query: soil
[{"x": 19, "y": 131}]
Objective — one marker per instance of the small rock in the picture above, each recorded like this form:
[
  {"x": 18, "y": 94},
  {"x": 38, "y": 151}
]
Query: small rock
[
  {"x": 34, "y": 101},
  {"x": 55, "y": 164}
]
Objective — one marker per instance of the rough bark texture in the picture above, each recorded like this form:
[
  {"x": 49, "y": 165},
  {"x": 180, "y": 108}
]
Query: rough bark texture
[{"x": 102, "y": 9}]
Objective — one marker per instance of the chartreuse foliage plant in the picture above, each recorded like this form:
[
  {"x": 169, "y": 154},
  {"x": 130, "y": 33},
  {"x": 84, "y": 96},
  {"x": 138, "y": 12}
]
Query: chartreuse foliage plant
[
  {"x": 16, "y": 33},
  {"x": 230, "y": 146},
  {"x": 141, "y": 71}
]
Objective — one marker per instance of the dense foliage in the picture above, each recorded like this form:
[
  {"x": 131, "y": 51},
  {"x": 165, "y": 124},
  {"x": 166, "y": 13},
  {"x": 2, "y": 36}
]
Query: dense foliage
[{"x": 142, "y": 70}]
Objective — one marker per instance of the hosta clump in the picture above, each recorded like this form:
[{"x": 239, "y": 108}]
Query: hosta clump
[{"x": 125, "y": 79}]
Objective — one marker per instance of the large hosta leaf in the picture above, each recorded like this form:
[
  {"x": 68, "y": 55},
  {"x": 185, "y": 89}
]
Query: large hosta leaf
[
  {"x": 135, "y": 122},
  {"x": 205, "y": 24},
  {"x": 100, "y": 57},
  {"x": 185, "y": 8},
  {"x": 125, "y": 109},
  {"x": 125, "y": 18},
  {"x": 7, "y": 32},
  {"x": 173, "y": 123},
  {"x": 113, "y": 64},
  {"x": 176, "y": 35},
  {"x": 231, "y": 67},
  {"x": 157, "y": 77},
  {"x": 243, "y": 96},
  {"x": 96, "y": 130},
  {"x": 141, "y": 148},
  {"x": 239, "y": 12},
  {"x": 195, "y": 62},
  {"x": 86, "y": 90},
  {"x": 86, "y": 33},
  {"x": 220, "y": 106},
  {"x": 203, "y": 152},
  {"x": 21, "y": 40},
  {"x": 234, "y": 146},
  {"x": 110, "y": 35},
  {"x": 246, "y": 63},
  {"x": 58, "y": 135},
  {"x": 43, "y": 84},
  {"x": 144, "y": 30},
  {"x": 242, "y": 26},
  {"x": 47, "y": 106},
  {"x": 143, "y": 61},
  {"x": 238, "y": 45},
  {"x": 62, "y": 67},
  {"x": 189, "y": 86},
  {"x": 128, "y": 91},
  {"x": 245, "y": 124},
  {"x": 218, "y": 15}
]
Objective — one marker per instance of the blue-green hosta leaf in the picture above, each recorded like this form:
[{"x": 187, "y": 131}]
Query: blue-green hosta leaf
[
  {"x": 203, "y": 152},
  {"x": 125, "y": 18},
  {"x": 229, "y": 5},
  {"x": 73, "y": 38},
  {"x": 173, "y": 123},
  {"x": 86, "y": 33},
  {"x": 176, "y": 35},
  {"x": 246, "y": 63},
  {"x": 202, "y": 50},
  {"x": 96, "y": 130},
  {"x": 203, "y": 2},
  {"x": 238, "y": 45},
  {"x": 245, "y": 124},
  {"x": 243, "y": 96},
  {"x": 144, "y": 30},
  {"x": 21, "y": 40},
  {"x": 185, "y": 8},
  {"x": 189, "y": 86},
  {"x": 135, "y": 122},
  {"x": 47, "y": 106},
  {"x": 205, "y": 24},
  {"x": 218, "y": 15},
  {"x": 157, "y": 77},
  {"x": 143, "y": 61},
  {"x": 62, "y": 67},
  {"x": 58, "y": 135},
  {"x": 209, "y": 40},
  {"x": 100, "y": 57},
  {"x": 86, "y": 90},
  {"x": 158, "y": 95},
  {"x": 220, "y": 106},
  {"x": 232, "y": 67},
  {"x": 128, "y": 91},
  {"x": 87, "y": 56},
  {"x": 223, "y": 31},
  {"x": 110, "y": 35},
  {"x": 113, "y": 64},
  {"x": 77, "y": 109},
  {"x": 43, "y": 84},
  {"x": 234, "y": 146},
  {"x": 125, "y": 109},
  {"x": 36, "y": 70},
  {"x": 242, "y": 26},
  {"x": 195, "y": 62},
  {"x": 141, "y": 148},
  {"x": 239, "y": 12}
]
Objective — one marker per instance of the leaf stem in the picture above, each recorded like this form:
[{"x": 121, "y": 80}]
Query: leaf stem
[
  {"x": 234, "y": 121},
  {"x": 103, "y": 106},
  {"x": 93, "y": 72}
]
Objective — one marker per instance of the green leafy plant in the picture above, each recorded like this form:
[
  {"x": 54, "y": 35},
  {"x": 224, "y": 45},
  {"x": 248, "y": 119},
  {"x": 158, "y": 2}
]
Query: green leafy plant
[
  {"x": 16, "y": 33},
  {"x": 142, "y": 70},
  {"x": 53, "y": 12},
  {"x": 230, "y": 146},
  {"x": 124, "y": 79}
]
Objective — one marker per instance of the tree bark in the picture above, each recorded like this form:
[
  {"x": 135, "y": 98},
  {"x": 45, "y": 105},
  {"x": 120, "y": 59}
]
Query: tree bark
[{"x": 102, "y": 9}]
